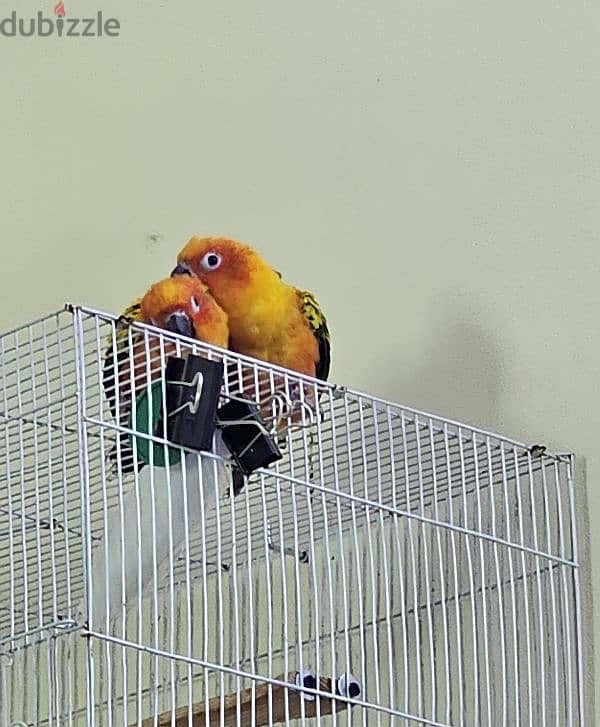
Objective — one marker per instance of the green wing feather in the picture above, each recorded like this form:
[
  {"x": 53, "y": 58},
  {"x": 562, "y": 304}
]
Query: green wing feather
[
  {"x": 318, "y": 324},
  {"x": 111, "y": 366}
]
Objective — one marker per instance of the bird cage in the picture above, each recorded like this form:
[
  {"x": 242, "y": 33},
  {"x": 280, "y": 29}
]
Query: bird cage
[{"x": 384, "y": 566}]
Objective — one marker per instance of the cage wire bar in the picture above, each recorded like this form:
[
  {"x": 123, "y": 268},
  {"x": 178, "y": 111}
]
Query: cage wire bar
[{"x": 391, "y": 568}]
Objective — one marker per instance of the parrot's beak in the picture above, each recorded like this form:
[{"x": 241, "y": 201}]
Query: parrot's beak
[
  {"x": 181, "y": 269},
  {"x": 179, "y": 322}
]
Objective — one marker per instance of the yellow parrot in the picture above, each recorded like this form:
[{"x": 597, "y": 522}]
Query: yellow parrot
[{"x": 268, "y": 319}]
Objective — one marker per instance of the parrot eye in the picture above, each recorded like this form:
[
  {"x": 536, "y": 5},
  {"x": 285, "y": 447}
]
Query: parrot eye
[
  {"x": 195, "y": 304},
  {"x": 211, "y": 261}
]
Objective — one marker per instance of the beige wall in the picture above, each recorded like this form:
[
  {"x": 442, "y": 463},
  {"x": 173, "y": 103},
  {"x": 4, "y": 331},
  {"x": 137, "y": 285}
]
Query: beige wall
[{"x": 429, "y": 169}]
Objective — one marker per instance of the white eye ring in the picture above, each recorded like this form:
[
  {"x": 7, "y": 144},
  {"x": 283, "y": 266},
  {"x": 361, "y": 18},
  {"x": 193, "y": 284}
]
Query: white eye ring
[
  {"x": 194, "y": 304},
  {"x": 211, "y": 261},
  {"x": 308, "y": 679},
  {"x": 349, "y": 686}
]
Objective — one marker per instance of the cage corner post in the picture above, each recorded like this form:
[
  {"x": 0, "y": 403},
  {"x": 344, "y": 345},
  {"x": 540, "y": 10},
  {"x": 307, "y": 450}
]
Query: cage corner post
[
  {"x": 86, "y": 523},
  {"x": 3, "y": 695},
  {"x": 583, "y": 610}
]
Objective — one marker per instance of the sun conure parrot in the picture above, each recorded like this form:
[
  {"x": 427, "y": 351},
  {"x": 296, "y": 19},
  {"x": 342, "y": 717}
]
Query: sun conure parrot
[
  {"x": 182, "y": 305},
  {"x": 268, "y": 319}
]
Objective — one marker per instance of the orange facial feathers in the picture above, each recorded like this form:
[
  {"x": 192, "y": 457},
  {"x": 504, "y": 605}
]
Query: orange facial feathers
[{"x": 184, "y": 305}]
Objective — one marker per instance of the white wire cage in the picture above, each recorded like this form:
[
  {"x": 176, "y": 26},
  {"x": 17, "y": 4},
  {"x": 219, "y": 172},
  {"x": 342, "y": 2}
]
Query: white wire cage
[{"x": 391, "y": 568}]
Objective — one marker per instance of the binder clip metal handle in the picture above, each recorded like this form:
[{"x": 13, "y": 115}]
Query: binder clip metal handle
[{"x": 245, "y": 434}]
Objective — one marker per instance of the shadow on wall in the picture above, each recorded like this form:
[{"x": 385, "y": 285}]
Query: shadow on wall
[{"x": 461, "y": 370}]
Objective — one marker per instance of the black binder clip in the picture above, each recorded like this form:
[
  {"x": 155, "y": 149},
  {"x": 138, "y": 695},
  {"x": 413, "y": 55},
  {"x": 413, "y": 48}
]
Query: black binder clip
[
  {"x": 192, "y": 393},
  {"x": 245, "y": 434}
]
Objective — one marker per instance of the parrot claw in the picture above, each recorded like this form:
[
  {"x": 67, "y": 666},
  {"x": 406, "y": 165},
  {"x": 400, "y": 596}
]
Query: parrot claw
[
  {"x": 124, "y": 320},
  {"x": 537, "y": 450},
  {"x": 339, "y": 392}
]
